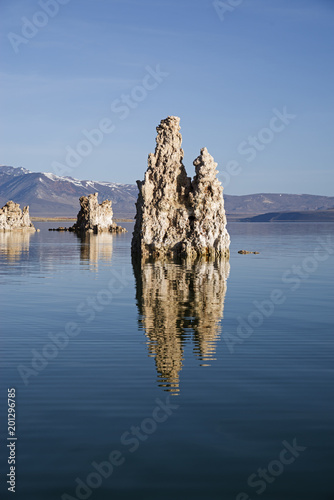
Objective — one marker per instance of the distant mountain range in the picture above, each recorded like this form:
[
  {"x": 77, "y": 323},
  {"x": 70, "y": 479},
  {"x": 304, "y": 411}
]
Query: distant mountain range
[
  {"x": 306, "y": 216},
  {"x": 50, "y": 195}
]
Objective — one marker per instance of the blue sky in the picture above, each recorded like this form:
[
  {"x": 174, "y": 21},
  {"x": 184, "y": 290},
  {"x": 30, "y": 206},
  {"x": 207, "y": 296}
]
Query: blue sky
[{"x": 227, "y": 70}]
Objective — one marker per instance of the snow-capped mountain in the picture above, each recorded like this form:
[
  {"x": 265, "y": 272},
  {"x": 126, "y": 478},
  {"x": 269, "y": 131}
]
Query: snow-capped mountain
[{"x": 50, "y": 195}]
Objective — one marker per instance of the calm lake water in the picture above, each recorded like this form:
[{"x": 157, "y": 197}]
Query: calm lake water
[{"x": 207, "y": 381}]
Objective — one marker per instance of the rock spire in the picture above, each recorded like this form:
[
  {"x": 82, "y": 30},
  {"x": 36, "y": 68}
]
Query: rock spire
[
  {"x": 177, "y": 216},
  {"x": 12, "y": 217}
]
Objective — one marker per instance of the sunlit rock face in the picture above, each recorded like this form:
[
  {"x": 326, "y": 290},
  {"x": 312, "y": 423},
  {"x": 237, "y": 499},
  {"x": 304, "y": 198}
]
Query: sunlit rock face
[
  {"x": 95, "y": 217},
  {"x": 12, "y": 217},
  {"x": 177, "y": 216},
  {"x": 180, "y": 304}
]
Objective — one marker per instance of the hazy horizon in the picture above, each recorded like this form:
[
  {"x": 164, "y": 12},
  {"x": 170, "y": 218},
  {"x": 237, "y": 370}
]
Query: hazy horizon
[{"x": 134, "y": 183}]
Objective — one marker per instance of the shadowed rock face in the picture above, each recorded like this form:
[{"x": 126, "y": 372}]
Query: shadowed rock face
[
  {"x": 177, "y": 216},
  {"x": 95, "y": 217},
  {"x": 12, "y": 217}
]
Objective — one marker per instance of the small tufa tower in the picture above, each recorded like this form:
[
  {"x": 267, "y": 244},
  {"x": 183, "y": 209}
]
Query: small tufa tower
[
  {"x": 13, "y": 218},
  {"x": 94, "y": 217},
  {"x": 177, "y": 216}
]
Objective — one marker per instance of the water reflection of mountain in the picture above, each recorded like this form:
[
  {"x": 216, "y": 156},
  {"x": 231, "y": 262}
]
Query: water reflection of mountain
[
  {"x": 15, "y": 244},
  {"x": 95, "y": 247},
  {"x": 179, "y": 304}
]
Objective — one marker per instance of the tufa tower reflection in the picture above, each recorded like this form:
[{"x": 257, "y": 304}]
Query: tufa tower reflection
[{"x": 180, "y": 303}]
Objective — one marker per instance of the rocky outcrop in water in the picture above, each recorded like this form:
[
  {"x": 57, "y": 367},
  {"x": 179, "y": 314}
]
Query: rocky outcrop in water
[
  {"x": 95, "y": 217},
  {"x": 177, "y": 216},
  {"x": 180, "y": 304},
  {"x": 13, "y": 218},
  {"x": 245, "y": 252}
]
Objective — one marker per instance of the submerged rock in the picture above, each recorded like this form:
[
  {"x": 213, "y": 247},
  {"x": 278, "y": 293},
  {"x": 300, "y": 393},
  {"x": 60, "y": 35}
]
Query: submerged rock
[
  {"x": 95, "y": 217},
  {"x": 245, "y": 252},
  {"x": 177, "y": 216},
  {"x": 12, "y": 217}
]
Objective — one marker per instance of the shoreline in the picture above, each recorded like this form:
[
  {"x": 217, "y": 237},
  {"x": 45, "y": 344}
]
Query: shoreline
[{"x": 69, "y": 219}]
